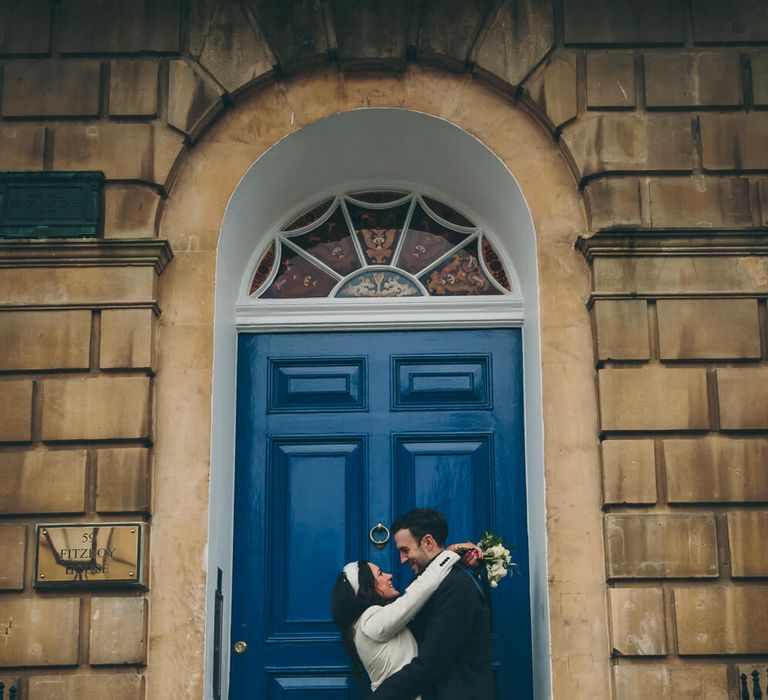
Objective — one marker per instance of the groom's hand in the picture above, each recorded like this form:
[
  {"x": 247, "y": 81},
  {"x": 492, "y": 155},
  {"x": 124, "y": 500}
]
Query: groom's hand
[{"x": 471, "y": 554}]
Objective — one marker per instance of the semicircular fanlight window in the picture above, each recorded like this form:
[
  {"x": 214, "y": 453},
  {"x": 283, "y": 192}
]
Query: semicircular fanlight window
[{"x": 379, "y": 243}]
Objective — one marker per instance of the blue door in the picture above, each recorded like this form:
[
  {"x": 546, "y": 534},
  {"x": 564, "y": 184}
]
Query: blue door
[{"x": 337, "y": 432}]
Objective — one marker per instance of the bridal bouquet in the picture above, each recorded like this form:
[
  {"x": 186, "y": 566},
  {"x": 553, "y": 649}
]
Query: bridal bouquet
[{"x": 496, "y": 558}]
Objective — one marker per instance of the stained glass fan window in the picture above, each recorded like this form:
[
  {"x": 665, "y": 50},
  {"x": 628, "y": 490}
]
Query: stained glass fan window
[{"x": 379, "y": 243}]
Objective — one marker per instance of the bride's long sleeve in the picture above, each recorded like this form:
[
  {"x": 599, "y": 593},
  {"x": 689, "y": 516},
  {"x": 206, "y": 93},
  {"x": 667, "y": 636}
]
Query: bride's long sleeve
[{"x": 381, "y": 623}]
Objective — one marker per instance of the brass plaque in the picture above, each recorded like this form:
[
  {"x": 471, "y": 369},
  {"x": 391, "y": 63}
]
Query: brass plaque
[{"x": 89, "y": 556}]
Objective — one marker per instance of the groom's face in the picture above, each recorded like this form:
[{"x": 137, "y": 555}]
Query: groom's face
[{"x": 417, "y": 553}]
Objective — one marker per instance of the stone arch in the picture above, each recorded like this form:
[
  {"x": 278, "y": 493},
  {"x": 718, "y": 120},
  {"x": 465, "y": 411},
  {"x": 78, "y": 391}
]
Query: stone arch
[
  {"x": 192, "y": 220},
  {"x": 235, "y": 48}
]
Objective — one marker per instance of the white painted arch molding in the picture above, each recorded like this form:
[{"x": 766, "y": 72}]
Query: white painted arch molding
[{"x": 376, "y": 148}]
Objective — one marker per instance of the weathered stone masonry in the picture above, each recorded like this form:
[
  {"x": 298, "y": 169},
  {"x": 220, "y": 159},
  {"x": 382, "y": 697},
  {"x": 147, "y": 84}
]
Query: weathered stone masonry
[{"x": 660, "y": 111}]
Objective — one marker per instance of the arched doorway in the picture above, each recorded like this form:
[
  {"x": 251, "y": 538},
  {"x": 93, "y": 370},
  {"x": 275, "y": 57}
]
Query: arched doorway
[{"x": 401, "y": 150}]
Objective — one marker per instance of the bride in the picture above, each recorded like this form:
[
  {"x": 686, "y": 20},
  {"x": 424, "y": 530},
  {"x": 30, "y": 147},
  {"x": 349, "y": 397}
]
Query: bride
[{"x": 373, "y": 616}]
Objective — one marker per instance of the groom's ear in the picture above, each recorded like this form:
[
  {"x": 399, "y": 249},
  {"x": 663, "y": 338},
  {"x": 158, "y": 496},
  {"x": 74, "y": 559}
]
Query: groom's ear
[{"x": 428, "y": 541}]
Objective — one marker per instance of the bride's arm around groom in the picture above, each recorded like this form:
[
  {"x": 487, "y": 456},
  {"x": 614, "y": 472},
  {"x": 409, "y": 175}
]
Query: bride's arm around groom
[{"x": 454, "y": 660}]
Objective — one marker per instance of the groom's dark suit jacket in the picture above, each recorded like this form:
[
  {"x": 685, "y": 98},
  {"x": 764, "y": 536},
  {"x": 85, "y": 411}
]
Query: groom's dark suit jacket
[{"x": 454, "y": 635}]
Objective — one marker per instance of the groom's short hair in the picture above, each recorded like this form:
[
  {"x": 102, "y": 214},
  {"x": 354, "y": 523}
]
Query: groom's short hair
[{"x": 423, "y": 521}]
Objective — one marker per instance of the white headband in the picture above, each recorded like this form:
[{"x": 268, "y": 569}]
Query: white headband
[{"x": 351, "y": 571}]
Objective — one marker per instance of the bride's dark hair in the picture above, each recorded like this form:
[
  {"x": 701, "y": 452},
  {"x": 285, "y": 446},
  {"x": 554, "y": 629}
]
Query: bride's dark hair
[{"x": 346, "y": 608}]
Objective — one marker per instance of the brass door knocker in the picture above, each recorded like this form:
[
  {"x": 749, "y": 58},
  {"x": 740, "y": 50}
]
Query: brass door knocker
[{"x": 379, "y": 527}]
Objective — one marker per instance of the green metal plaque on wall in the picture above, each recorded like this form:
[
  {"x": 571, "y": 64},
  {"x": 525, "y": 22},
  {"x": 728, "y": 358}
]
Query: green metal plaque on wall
[{"x": 50, "y": 204}]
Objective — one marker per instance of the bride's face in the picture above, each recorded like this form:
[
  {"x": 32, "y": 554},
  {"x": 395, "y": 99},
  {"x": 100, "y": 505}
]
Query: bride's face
[{"x": 383, "y": 581}]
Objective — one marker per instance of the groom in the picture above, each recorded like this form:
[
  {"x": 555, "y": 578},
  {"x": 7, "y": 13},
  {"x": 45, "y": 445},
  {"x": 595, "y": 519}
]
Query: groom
[{"x": 453, "y": 629}]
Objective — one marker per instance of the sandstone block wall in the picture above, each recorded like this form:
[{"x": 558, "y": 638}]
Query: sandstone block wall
[
  {"x": 682, "y": 383},
  {"x": 77, "y": 324},
  {"x": 658, "y": 107}
]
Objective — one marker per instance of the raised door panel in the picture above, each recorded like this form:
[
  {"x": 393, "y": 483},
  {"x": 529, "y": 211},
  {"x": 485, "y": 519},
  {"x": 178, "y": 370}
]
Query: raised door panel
[
  {"x": 299, "y": 385},
  {"x": 316, "y": 520},
  {"x": 450, "y": 472},
  {"x": 459, "y": 382},
  {"x": 309, "y": 685}
]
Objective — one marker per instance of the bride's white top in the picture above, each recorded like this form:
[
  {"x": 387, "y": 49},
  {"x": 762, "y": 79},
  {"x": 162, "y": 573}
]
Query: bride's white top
[{"x": 383, "y": 640}]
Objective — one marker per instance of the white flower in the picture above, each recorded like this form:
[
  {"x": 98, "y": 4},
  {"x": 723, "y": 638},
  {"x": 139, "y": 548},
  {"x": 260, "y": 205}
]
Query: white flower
[
  {"x": 498, "y": 571},
  {"x": 495, "y": 552}
]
